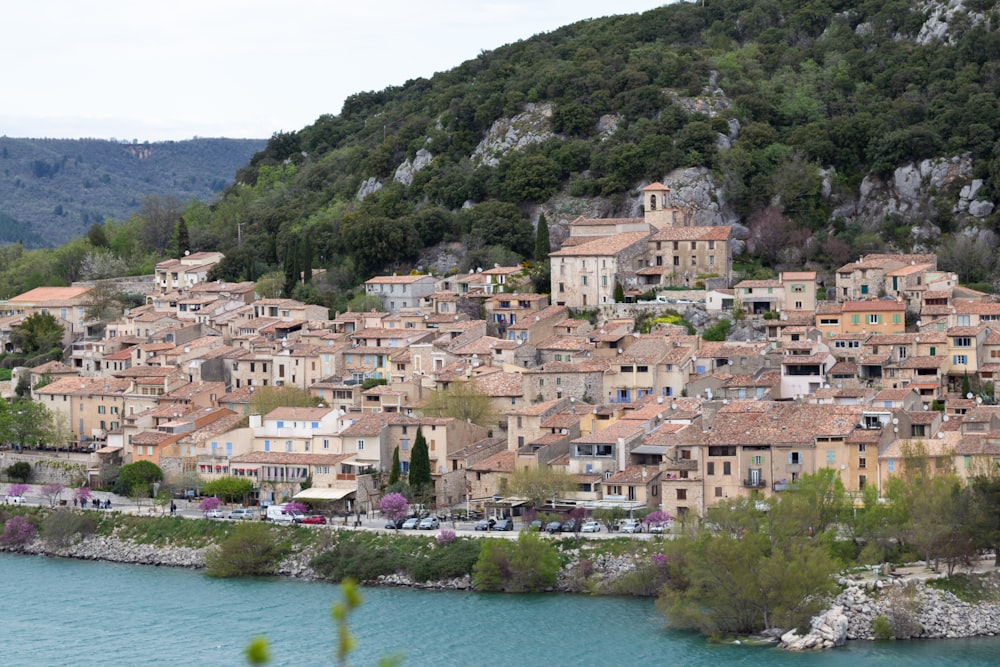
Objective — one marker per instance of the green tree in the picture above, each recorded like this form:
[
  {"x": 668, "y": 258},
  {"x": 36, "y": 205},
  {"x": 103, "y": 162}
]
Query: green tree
[
  {"x": 138, "y": 474},
  {"x": 252, "y": 550},
  {"x": 619, "y": 293},
  {"x": 182, "y": 242},
  {"x": 267, "y": 398},
  {"x": 39, "y": 332},
  {"x": 420, "y": 465},
  {"x": 394, "y": 470},
  {"x": 230, "y": 489},
  {"x": 540, "y": 485},
  {"x": 528, "y": 565},
  {"x": 19, "y": 472},
  {"x": 985, "y": 526},
  {"x": 463, "y": 401},
  {"x": 543, "y": 243}
]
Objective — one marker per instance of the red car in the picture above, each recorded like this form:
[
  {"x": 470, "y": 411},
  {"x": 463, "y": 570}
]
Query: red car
[{"x": 314, "y": 519}]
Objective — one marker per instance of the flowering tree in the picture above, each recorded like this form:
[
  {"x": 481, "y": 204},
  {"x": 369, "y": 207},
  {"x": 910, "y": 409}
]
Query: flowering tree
[
  {"x": 82, "y": 494},
  {"x": 18, "y": 530},
  {"x": 657, "y": 517},
  {"x": 17, "y": 489},
  {"x": 394, "y": 506},
  {"x": 52, "y": 492},
  {"x": 296, "y": 508},
  {"x": 446, "y": 537},
  {"x": 210, "y": 503}
]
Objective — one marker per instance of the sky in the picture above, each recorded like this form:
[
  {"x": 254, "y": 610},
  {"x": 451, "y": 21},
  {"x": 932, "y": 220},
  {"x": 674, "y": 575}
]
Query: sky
[{"x": 174, "y": 70}]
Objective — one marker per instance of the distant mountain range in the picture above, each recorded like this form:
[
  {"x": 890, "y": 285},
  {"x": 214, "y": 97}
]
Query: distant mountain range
[{"x": 53, "y": 190}]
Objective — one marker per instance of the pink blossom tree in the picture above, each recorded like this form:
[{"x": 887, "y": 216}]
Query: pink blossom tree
[
  {"x": 82, "y": 495},
  {"x": 445, "y": 537},
  {"x": 656, "y": 518},
  {"x": 296, "y": 507},
  {"x": 209, "y": 504},
  {"x": 394, "y": 506},
  {"x": 52, "y": 492},
  {"x": 18, "y": 531},
  {"x": 17, "y": 489}
]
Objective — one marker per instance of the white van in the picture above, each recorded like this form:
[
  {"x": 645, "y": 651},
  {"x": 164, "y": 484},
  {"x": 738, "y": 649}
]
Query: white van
[
  {"x": 278, "y": 513},
  {"x": 15, "y": 500}
]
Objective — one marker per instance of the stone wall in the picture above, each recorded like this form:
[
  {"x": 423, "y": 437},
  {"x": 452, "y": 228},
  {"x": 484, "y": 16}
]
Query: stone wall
[{"x": 66, "y": 468}]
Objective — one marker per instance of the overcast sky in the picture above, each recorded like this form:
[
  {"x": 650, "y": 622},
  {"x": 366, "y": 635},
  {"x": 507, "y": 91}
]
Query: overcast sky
[{"x": 136, "y": 69}]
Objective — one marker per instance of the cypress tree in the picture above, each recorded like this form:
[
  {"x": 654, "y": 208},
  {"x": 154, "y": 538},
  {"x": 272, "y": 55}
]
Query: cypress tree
[
  {"x": 306, "y": 258},
  {"x": 420, "y": 464},
  {"x": 183, "y": 240},
  {"x": 542, "y": 241},
  {"x": 619, "y": 293},
  {"x": 394, "y": 470}
]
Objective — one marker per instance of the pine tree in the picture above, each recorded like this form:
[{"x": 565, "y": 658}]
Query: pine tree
[
  {"x": 394, "y": 470},
  {"x": 619, "y": 293},
  {"x": 542, "y": 241},
  {"x": 183, "y": 240},
  {"x": 420, "y": 464}
]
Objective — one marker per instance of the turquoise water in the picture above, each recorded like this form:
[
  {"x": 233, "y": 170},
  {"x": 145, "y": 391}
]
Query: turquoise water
[{"x": 64, "y": 612}]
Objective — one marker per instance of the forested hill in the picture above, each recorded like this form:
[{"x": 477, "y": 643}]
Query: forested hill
[
  {"x": 790, "y": 105},
  {"x": 52, "y": 190}
]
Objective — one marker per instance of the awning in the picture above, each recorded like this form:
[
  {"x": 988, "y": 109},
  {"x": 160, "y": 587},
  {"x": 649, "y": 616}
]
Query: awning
[
  {"x": 317, "y": 493},
  {"x": 108, "y": 450},
  {"x": 650, "y": 449}
]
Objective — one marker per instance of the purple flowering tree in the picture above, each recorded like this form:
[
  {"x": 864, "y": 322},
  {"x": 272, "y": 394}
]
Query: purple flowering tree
[
  {"x": 394, "y": 506},
  {"x": 296, "y": 508},
  {"x": 82, "y": 495},
  {"x": 18, "y": 531},
  {"x": 17, "y": 489},
  {"x": 209, "y": 504},
  {"x": 655, "y": 518},
  {"x": 445, "y": 537},
  {"x": 52, "y": 492}
]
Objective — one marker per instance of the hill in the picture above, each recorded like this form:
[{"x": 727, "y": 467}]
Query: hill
[{"x": 53, "y": 190}]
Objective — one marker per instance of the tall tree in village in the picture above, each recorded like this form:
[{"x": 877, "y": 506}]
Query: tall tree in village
[
  {"x": 182, "y": 241},
  {"x": 394, "y": 469},
  {"x": 542, "y": 242},
  {"x": 420, "y": 465},
  {"x": 39, "y": 332}
]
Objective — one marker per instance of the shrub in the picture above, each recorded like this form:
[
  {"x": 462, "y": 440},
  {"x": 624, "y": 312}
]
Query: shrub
[
  {"x": 448, "y": 562},
  {"x": 18, "y": 531},
  {"x": 20, "y": 471},
  {"x": 362, "y": 560},
  {"x": 881, "y": 628},
  {"x": 529, "y": 565},
  {"x": 60, "y": 527},
  {"x": 252, "y": 550}
]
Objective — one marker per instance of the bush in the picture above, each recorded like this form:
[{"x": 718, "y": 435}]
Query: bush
[
  {"x": 252, "y": 550},
  {"x": 881, "y": 628},
  {"x": 529, "y": 565},
  {"x": 18, "y": 531},
  {"x": 60, "y": 527},
  {"x": 20, "y": 471},
  {"x": 718, "y": 331},
  {"x": 362, "y": 560},
  {"x": 446, "y": 562}
]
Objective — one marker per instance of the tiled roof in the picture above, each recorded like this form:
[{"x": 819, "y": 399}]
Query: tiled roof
[{"x": 603, "y": 245}]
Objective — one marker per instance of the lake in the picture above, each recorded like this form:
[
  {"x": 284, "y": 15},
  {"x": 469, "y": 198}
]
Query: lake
[{"x": 66, "y": 612}]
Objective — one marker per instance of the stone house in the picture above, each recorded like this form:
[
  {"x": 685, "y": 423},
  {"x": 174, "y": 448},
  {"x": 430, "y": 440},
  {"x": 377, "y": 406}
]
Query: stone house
[
  {"x": 399, "y": 292},
  {"x": 585, "y": 275},
  {"x": 184, "y": 273}
]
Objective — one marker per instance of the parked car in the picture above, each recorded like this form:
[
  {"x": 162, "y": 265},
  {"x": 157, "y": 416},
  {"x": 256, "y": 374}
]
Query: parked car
[
  {"x": 313, "y": 519},
  {"x": 631, "y": 526},
  {"x": 568, "y": 526},
  {"x": 429, "y": 523},
  {"x": 398, "y": 523},
  {"x": 241, "y": 513},
  {"x": 504, "y": 524},
  {"x": 591, "y": 527},
  {"x": 411, "y": 523},
  {"x": 536, "y": 525},
  {"x": 553, "y": 527},
  {"x": 214, "y": 514},
  {"x": 485, "y": 524},
  {"x": 15, "y": 500},
  {"x": 656, "y": 527}
]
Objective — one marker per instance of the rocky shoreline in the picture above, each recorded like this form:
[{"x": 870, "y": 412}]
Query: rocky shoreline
[{"x": 907, "y": 607}]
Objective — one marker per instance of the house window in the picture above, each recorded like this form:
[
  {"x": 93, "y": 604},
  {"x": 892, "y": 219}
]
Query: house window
[
  {"x": 918, "y": 430},
  {"x": 727, "y": 468},
  {"x": 855, "y": 319},
  {"x": 404, "y": 444},
  {"x": 718, "y": 492},
  {"x": 710, "y": 468},
  {"x": 963, "y": 341},
  {"x": 794, "y": 458},
  {"x": 891, "y": 465},
  {"x": 757, "y": 460},
  {"x": 361, "y": 445},
  {"x": 959, "y": 359},
  {"x": 288, "y": 445},
  {"x": 682, "y": 494},
  {"x": 584, "y": 278},
  {"x": 326, "y": 443},
  {"x": 831, "y": 457},
  {"x": 962, "y": 320},
  {"x": 874, "y": 318},
  {"x": 862, "y": 481}
]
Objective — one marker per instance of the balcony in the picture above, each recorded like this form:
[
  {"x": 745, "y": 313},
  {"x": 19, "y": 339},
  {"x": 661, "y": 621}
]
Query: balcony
[{"x": 754, "y": 483}]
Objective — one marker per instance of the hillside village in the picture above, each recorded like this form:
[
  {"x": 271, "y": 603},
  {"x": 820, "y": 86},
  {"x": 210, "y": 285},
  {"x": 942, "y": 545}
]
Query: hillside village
[{"x": 898, "y": 359}]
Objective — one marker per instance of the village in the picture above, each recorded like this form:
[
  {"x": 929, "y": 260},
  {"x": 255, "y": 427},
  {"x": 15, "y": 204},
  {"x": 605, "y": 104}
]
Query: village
[{"x": 894, "y": 360}]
